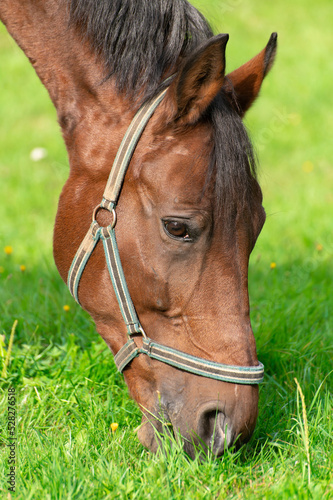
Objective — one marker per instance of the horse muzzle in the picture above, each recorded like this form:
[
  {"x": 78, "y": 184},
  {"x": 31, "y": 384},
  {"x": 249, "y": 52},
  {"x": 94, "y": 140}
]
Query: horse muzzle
[{"x": 205, "y": 429}]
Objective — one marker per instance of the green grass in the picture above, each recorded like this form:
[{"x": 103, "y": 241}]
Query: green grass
[{"x": 68, "y": 391}]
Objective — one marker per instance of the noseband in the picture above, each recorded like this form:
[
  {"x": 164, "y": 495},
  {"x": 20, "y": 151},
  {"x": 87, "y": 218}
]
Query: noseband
[{"x": 173, "y": 357}]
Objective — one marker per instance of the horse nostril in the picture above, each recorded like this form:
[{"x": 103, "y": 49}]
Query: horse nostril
[{"x": 213, "y": 431}]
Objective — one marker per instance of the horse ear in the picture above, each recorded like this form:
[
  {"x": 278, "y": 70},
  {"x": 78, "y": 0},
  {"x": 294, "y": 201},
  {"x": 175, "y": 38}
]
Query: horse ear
[
  {"x": 198, "y": 81},
  {"x": 243, "y": 84}
]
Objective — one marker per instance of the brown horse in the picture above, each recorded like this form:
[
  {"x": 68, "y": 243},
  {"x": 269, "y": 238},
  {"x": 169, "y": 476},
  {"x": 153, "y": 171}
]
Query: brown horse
[{"x": 190, "y": 208}]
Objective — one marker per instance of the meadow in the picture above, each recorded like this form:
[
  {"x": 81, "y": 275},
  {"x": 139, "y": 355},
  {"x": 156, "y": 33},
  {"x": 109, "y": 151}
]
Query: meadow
[{"x": 68, "y": 392}]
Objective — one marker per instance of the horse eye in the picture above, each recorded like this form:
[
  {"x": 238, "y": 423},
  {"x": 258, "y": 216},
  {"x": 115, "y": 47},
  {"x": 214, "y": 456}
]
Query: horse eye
[{"x": 177, "y": 229}]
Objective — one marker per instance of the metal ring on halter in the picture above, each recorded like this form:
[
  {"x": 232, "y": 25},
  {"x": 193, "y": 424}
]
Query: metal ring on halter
[
  {"x": 113, "y": 212},
  {"x": 141, "y": 330}
]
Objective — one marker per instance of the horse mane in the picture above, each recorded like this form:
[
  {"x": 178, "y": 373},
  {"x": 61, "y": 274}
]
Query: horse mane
[{"x": 142, "y": 42}]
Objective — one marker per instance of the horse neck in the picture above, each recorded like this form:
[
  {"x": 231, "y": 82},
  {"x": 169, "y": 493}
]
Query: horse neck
[{"x": 90, "y": 110}]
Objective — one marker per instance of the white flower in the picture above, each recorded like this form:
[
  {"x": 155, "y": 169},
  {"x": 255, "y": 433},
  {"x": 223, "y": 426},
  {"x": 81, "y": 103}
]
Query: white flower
[{"x": 38, "y": 154}]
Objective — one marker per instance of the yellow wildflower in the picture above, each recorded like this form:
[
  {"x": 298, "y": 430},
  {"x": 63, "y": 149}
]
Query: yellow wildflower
[
  {"x": 66, "y": 308},
  {"x": 319, "y": 247},
  {"x": 308, "y": 167},
  {"x": 8, "y": 249},
  {"x": 22, "y": 268},
  {"x": 114, "y": 427},
  {"x": 273, "y": 265}
]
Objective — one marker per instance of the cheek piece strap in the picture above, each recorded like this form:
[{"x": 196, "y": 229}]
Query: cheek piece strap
[{"x": 199, "y": 366}]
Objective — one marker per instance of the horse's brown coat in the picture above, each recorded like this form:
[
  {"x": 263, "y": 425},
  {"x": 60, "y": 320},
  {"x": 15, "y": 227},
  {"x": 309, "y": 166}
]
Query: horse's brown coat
[{"x": 189, "y": 295}]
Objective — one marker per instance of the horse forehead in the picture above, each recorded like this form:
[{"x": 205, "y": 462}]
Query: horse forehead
[
  {"x": 178, "y": 162},
  {"x": 176, "y": 177}
]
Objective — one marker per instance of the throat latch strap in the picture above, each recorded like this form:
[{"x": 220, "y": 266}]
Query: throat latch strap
[
  {"x": 107, "y": 234},
  {"x": 108, "y": 237}
]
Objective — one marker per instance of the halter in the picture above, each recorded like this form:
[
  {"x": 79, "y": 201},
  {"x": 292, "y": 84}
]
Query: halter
[{"x": 168, "y": 355}]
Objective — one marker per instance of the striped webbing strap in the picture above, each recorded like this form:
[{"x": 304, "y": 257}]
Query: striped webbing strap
[
  {"x": 199, "y": 366},
  {"x": 107, "y": 234},
  {"x": 173, "y": 357}
]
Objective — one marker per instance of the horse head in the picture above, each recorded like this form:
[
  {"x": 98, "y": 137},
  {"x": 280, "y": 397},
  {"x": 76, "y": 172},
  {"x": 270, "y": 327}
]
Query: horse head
[{"x": 188, "y": 216}]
